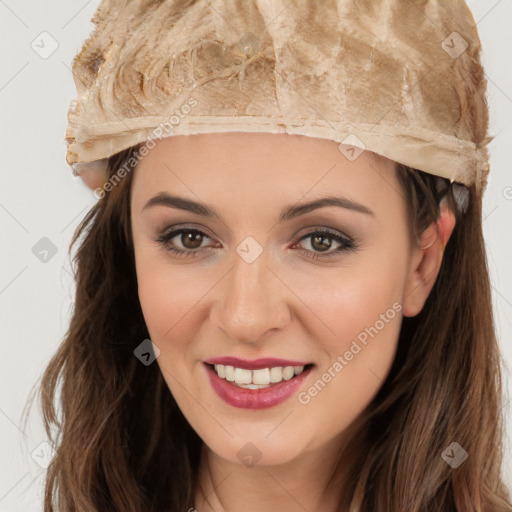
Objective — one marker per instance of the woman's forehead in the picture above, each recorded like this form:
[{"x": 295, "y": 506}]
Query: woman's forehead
[
  {"x": 257, "y": 156},
  {"x": 230, "y": 168}
]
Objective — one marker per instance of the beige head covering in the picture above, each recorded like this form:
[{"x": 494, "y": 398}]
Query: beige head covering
[{"x": 401, "y": 78}]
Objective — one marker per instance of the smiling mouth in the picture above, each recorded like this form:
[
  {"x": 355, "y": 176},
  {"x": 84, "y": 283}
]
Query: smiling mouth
[{"x": 257, "y": 379}]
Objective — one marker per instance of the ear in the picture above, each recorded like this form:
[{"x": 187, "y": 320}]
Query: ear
[
  {"x": 93, "y": 176},
  {"x": 426, "y": 261}
]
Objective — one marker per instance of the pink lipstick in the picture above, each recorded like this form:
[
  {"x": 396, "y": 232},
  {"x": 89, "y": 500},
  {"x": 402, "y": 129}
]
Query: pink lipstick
[{"x": 255, "y": 384}]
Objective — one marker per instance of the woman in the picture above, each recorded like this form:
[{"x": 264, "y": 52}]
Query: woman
[{"x": 282, "y": 294}]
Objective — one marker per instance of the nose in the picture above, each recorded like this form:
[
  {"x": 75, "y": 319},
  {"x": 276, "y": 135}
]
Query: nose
[{"x": 252, "y": 301}]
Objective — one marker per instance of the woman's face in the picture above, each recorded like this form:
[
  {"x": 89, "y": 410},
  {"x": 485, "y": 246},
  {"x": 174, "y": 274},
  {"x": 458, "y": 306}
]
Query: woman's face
[{"x": 257, "y": 288}]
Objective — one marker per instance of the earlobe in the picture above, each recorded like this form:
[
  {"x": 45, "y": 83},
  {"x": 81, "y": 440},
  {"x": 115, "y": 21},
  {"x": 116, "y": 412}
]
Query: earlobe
[{"x": 426, "y": 261}]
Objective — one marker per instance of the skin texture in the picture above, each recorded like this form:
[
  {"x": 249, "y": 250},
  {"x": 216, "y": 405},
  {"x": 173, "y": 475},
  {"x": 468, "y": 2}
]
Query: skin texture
[{"x": 284, "y": 304}]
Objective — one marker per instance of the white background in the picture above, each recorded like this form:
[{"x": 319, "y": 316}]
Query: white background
[{"x": 40, "y": 198}]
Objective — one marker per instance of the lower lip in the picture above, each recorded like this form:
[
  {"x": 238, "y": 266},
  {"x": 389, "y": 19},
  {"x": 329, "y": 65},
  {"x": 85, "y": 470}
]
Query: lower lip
[{"x": 255, "y": 398}]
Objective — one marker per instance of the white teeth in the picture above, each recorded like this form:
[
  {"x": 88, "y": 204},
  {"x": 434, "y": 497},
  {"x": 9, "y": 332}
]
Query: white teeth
[
  {"x": 257, "y": 379},
  {"x": 243, "y": 376},
  {"x": 261, "y": 376},
  {"x": 288, "y": 372},
  {"x": 276, "y": 374},
  {"x": 221, "y": 370},
  {"x": 230, "y": 373}
]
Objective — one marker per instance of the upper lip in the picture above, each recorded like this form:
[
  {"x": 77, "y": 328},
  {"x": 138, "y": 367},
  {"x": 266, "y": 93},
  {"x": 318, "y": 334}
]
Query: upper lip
[{"x": 255, "y": 364}]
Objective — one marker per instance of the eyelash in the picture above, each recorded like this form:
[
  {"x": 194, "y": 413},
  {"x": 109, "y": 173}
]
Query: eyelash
[{"x": 348, "y": 244}]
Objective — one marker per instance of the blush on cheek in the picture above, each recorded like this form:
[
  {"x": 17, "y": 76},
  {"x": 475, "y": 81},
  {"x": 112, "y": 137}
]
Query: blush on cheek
[
  {"x": 360, "y": 311},
  {"x": 168, "y": 307},
  {"x": 365, "y": 348}
]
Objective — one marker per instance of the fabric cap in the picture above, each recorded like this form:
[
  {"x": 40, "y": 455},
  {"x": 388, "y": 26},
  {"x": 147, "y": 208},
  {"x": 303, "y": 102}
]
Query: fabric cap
[{"x": 401, "y": 78}]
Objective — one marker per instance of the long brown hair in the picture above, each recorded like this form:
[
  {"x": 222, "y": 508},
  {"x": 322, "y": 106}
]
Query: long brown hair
[{"x": 122, "y": 444}]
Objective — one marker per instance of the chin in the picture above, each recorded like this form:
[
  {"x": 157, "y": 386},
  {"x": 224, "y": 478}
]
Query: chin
[{"x": 254, "y": 449}]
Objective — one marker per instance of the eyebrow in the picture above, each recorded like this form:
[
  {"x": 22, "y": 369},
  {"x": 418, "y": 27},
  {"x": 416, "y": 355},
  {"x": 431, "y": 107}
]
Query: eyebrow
[{"x": 288, "y": 213}]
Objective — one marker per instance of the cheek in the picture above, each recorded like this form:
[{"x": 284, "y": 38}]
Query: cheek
[
  {"x": 363, "y": 307},
  {"x": 348, "y": 303},
  {"x": 362, "y": 310},
  {"x": 167, "y": 297}
]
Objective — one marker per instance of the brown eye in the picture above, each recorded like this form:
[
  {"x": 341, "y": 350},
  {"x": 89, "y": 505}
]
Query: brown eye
[
  {"x": 191, "y": 239},
  {"x": 183, "y": 241},
  {"x": 321, "y": 242}
]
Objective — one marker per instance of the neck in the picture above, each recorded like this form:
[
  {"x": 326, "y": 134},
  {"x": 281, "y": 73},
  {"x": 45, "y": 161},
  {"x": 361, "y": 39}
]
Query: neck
[{"x": 296, "y": 485}]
